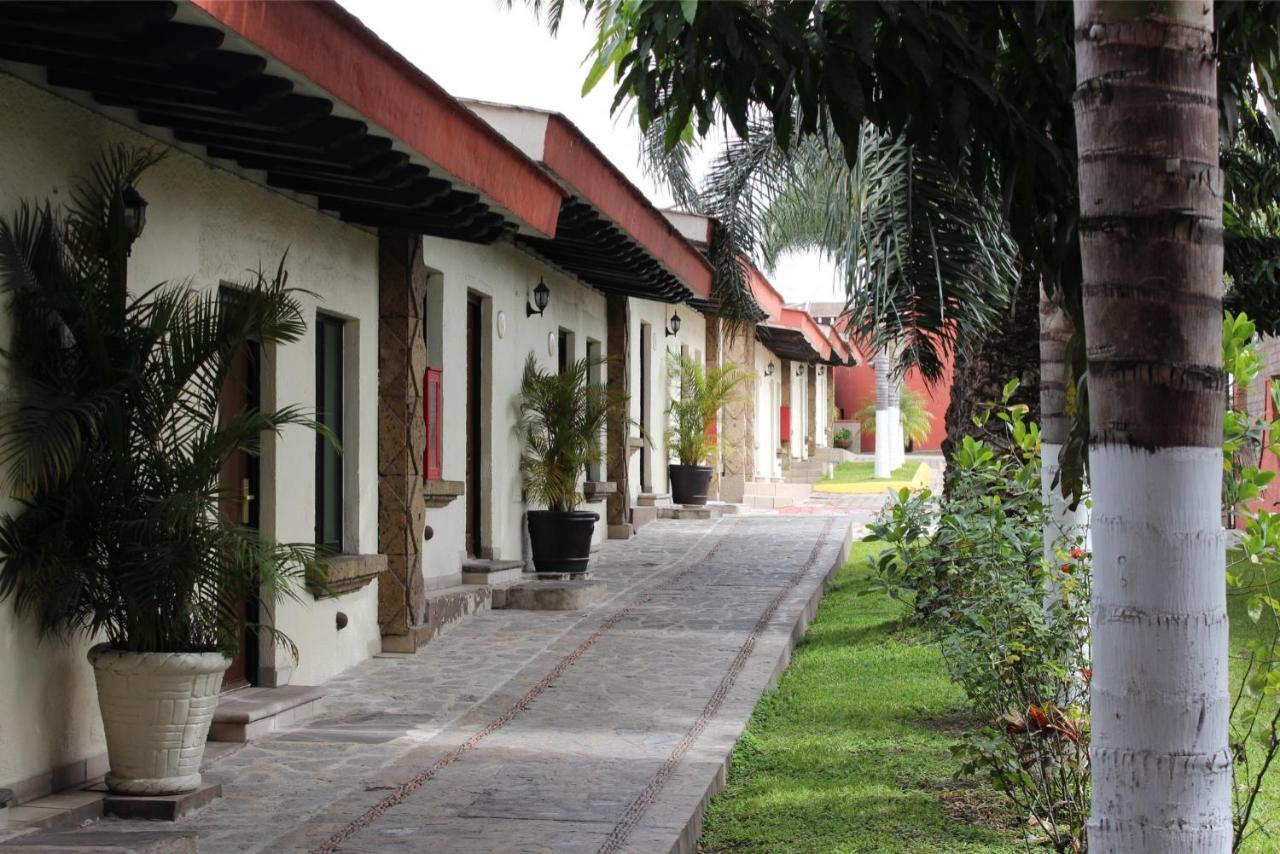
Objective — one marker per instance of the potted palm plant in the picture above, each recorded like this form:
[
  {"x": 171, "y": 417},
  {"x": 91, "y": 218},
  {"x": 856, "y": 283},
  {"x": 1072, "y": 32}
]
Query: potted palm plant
[
  {"x": 112, "y": 444},
  {"x": 691, "y": 436},
  {"x": 561, "y": 418}
]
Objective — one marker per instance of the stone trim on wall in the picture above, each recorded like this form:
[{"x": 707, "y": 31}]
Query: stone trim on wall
[{"x": 402, "y": 435}]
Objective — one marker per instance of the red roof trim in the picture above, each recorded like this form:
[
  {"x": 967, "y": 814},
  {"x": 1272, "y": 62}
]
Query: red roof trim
[
  {"x": 569, "y": 154},
  {"x": 331, "y": 48},
  {"x": 800, "y": 319}
]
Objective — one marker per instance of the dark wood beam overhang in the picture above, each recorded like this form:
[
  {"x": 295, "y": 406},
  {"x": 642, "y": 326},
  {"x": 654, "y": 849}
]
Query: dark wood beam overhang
[
  {"x": 600, "y": 254},
  {"x": 787, "y": 343},
  {"x": 179, "y": 77}
]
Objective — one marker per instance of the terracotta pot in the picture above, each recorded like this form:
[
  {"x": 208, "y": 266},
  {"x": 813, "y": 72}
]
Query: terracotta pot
[{"x": 156, "y": 710}]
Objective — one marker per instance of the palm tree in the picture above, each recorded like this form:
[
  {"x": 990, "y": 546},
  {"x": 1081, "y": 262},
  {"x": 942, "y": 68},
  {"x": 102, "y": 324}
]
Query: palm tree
[
  {"x": 1150, "y": 238},
  {"x": 927, "y": 263},
  {"x": 113, "y": 442}
]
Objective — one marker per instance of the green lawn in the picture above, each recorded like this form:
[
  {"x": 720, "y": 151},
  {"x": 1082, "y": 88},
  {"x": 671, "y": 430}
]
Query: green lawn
[
  {"x": 850, "y": 753},
  {"x": 860, "y": 472}
]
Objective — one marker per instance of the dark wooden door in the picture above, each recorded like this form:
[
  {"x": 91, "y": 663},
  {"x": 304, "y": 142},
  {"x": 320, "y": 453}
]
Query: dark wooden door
[
  {"x": 474, "y": 426},
  {"x": 239, "y": 483}
]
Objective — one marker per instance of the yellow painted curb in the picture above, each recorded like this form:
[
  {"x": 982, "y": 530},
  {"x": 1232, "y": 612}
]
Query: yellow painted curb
[{"x": 918, "y": 481}]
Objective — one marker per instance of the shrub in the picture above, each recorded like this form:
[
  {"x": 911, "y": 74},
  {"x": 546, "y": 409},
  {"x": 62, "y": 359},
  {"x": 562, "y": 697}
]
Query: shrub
[{"x": 1012, "y": 628}]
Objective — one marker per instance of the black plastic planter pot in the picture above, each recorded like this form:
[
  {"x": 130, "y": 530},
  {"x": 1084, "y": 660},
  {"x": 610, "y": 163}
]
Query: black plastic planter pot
[
  {"x": 689, "y": 484},
  {"x": 561, "y": 542}
]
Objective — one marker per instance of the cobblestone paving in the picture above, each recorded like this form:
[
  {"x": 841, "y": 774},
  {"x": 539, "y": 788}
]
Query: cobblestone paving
[{"x": 595, "y": 731}]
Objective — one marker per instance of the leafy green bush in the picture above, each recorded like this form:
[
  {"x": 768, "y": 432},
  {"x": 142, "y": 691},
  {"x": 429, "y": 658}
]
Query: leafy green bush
[
  {"x": 698, "y": 395},
  {"x": 1013, "y": 629}
]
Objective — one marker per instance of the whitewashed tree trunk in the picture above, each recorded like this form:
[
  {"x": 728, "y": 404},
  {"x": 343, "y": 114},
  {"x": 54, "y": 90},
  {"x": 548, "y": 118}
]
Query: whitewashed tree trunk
[
  {"x": 897, "y": 452},
  {"x": 884, "y": 430},
  {"x": 1151, "y": 251},
  {"x": 1055, "y": 426}
]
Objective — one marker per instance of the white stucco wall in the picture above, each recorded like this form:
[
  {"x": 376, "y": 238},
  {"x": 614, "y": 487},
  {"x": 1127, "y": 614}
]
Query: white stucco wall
[
  {"x": 504, "y": 276},
  {"x": 693, "y": 335},
  {"x": 210, "y": 225},
  {"x": 768, "y": 401}
]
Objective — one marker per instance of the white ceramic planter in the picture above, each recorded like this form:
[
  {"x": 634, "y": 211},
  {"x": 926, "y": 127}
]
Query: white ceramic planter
[{"x": 156, "y": 710}]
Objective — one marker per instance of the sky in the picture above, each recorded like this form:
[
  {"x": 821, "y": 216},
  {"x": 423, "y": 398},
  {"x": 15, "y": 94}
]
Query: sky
[{"x": 484, "y": 50}]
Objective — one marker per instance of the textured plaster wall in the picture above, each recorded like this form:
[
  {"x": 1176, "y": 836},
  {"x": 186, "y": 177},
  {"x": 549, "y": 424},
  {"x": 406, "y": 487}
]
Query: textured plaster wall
[
  {"x": 692, "y": 335},
  {"x": 503, "y": 276},
  {"x": 209, "y": 225}
]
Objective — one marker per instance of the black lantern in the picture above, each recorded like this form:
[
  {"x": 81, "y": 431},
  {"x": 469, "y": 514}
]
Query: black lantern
[
  {"x": 135, "y": 212},
  {"x": 800, "y": 370},
  {"x": 541, "y": 296},
  {"x": 821, "y": 370},
  {"x": 675, "y": 325},
  {"x": 768, "y": 371}
]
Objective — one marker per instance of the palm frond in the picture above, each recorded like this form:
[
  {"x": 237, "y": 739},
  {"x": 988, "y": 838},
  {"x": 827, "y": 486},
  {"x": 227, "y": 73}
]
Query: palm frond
[{"x": 113, "y": 439}]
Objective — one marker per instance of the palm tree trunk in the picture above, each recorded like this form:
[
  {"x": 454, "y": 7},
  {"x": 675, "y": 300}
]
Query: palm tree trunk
[
  {"x": 1056, "y": 330},
  {"x": 884, "y": 463},
  {"x": 896, "y": 454},
  {"x": 1151, "y": 250}
]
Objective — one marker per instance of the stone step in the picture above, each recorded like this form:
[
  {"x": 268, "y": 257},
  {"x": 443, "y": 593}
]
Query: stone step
[
  {"x": 641, "y": 516},
  {"x": 691, "y": 511},
  {"x": 769, "y": 502},
  {"x": 104, "y": 842},
  {"x": 569, "y": 595},
  {"x": 445, "y": 606},
  {"x": 492, "y": 572},
  {"x": 250, "y": 713},
  {"x": 794, "y": 491},
  {"x": 653, "y": 499}
]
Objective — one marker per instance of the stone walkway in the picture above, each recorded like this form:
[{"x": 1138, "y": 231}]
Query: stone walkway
[{"x": 598, "y": 731}]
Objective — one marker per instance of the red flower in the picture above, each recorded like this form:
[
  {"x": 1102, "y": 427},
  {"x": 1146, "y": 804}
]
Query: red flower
[
  {"x": 1076, "y": 554},
  {"x": 1066, "y": 567},
  {"x": 1038, "y": 717}
]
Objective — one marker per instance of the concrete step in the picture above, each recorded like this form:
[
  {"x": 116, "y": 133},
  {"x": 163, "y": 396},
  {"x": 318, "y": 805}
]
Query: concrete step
[
  {"x": 653, "y": 499},
  {"x": 492, "y": 572},
  {"x": 104, "y": 842},
  {"x": 769, "y": 502},
  {"x": 691, "y": 511},
  {"x": 570, "y": 595},
  {"x": 251, "y": 713},
  {"x": 445, "y": 606},
  {"x": 794, "y": 491},
  {"x": 641, "y": 516}
]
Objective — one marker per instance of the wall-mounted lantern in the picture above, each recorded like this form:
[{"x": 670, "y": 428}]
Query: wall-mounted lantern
[
  {"x": 800, "y": 369},
  {"x": 822, "y": 370},
  {"x": 675, "y": 325},
  {"x": 768, "y": 371},
  {"x": 135, "y": 214},
  {"x": 541, "y": 296}
]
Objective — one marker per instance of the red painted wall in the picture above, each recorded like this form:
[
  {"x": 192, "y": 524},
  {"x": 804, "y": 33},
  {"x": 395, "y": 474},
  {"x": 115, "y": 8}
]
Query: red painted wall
[{"x": 856, "y": 386}]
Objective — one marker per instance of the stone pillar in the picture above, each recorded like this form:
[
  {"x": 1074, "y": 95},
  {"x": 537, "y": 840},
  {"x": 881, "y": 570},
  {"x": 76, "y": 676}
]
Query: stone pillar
[
  {"x": 737, "y": 429},
  {"x": 402, "y": 439},
  {"x": 811, "y": 387},
  {"x": 712, "y": 349},
  {"x": 618, "y": 430}
]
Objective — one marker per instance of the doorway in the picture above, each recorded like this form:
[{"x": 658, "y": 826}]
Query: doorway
[
  {"x": 239, "y": 481},
  {"x": 475, "y": 424},
  {"x": 646, "y": 369}
]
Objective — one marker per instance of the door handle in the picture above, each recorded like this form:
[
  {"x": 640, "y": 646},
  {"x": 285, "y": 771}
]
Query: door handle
[{"x": 245, "y": 497}]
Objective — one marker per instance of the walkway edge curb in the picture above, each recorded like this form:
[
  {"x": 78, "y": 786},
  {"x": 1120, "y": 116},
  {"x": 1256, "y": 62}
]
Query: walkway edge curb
[{"x": 687, "y": 841}]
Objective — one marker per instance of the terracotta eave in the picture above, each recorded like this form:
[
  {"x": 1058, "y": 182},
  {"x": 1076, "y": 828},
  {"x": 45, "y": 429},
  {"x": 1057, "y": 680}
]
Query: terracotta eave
[
  {"x": 331, "y": 48},
  {"x": 588, "y": 174}
]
